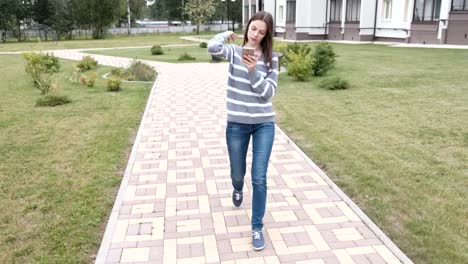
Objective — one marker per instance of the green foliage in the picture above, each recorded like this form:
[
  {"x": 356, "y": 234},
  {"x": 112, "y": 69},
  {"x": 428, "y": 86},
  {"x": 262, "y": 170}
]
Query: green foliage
[
  {"x": 40, "y": 67},
  {"x": 157, "y": 50},
  {"x": 299, "y": 66},
  {"x": 291, "y": 50},
  {"x": 140, "y": 71},
  {"x": 87, "y": 63},
  {"x": 52, "y": 100},
  {"x": 324, "y": 59},
  {"x": 88, "y": 80},
  {"x": 200, "y": 11},
  {"x": 185, "y": 57},
  {"x": 334, "y": 83},
  {"x": 118, "y": 72},
  {"x": 113, "y": 84},
  {"x": 203, "y": 45}
]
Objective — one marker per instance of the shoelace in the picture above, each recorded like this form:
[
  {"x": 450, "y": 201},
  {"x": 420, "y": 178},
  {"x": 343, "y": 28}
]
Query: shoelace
[
  {"x": 256, "y": 235},
  {"x": 238, "y": 196}
]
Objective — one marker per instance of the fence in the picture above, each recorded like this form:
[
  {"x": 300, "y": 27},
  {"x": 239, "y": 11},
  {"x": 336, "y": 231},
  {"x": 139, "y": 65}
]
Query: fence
[{"x": 49, "y": 34}]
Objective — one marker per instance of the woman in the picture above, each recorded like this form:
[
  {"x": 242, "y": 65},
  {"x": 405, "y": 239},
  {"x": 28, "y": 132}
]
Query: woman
[{"x": 252, "y": 83}]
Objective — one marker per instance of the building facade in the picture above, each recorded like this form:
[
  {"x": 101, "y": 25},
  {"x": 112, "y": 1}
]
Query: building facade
[{"x": 410, "y": 21}]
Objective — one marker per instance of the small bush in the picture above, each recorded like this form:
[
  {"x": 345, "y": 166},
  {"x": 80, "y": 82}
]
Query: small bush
[
  {"x": 87, "y": 63},
  {"x": 334, "y": 83},
  {"x": 139, "y": 71},
  {"x": 185, "y": 57},
  {"x": 113, "y": 84},
  {"x": 40, "y": 67},
  {"x": 324, "y": 59},
  {"x": 294, "y": 49},
  {"x": 300, "y": 66},
  {"x": 88, "y": 80},
  {"x": 52, "y": 100},
  {"x": 157, "y": 50},
  {"x": 203, "y": 45},
  {"x": 118, "y": 72}
]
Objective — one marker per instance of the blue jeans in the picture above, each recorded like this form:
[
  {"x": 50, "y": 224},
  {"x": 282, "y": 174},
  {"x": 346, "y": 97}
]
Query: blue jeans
[{"x": 237, "y": 138}]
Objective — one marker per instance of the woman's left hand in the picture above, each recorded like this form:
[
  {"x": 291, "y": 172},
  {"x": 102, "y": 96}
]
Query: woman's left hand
[{"x": 250, "y": 62}]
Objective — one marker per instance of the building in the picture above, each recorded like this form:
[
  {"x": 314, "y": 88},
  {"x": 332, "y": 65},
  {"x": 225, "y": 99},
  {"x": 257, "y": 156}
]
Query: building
[{"x": 410, "y": 21}]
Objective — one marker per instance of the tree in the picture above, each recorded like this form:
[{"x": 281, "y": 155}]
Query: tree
[
  {"x": 7, "y": 16},
  {"x": 99, "y": 14},
  {"x": 200, "y": 11}
]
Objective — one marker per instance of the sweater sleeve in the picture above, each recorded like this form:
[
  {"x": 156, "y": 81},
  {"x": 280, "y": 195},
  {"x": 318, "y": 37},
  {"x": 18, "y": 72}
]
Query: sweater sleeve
[
  {"x": 265, "y": 86},
  {"x": 217, "y": 48}
]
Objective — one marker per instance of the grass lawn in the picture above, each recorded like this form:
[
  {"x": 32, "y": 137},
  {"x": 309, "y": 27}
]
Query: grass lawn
[
  {"x": 171, "y": 54},
  {"x": 396, "y": 142},
  {"x": 60, "y": 167},
  {"x": 111, "y": 41}
]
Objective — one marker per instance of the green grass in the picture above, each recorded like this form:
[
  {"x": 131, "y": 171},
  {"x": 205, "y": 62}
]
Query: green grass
[
  {"x": 396, "y": 142},
  {"x": 111, "y": 41},
  {"x": 171, "y": 54},
  {"x": 60, "y": 167}
]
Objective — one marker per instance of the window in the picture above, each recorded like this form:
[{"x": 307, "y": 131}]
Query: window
[
  {"x": 427, "y": 10},
  {"x": 353, "y": 10},
  {"x": 291, "y": 11},
  {"x": 460, "y": 5},
  {"x": 387, "y": 9},
  {"x": 281, "y": 13},
  {"x": 335, "y": 10}
]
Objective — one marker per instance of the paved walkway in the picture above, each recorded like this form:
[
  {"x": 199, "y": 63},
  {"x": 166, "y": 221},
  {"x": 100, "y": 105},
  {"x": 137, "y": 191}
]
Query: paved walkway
[{"x": 174, "y": 203}]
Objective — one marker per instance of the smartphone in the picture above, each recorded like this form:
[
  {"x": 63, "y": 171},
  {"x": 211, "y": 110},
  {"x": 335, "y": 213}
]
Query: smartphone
[{"x": 248, "y": 51}]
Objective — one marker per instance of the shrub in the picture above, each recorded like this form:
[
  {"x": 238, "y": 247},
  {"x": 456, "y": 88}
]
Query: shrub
[
  {"x": 139, "y": 71},
  {"x": 203, "y": 45},
  {"x": 185, "y": 57},
  {"x": 40, "y": 67},
  {"x": 86, "y": 63},
  {"x": 118, "y": 72},
  {"x": 300, "y": 66},
  {"x": 113, "y": 84},
  {"x": 88, "y": 80},
  {"x": 291, "y": 50},
  {"x": 157, "y": 50},
  {"x": 52, "y": 100},
  {"x": 324, "y": 59},
  {"x": 334, "y": 83}
]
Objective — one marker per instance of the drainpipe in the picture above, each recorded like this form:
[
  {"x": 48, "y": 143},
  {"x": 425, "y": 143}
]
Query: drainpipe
[
  {"x": 343, "y": 18},
  {"x": 375, "y": 18},
  {"x": 275, "y": 22},
  {"x": 326, "y": 19}
]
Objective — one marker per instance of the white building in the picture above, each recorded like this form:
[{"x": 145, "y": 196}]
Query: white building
[{"x": 411, "y": 21}]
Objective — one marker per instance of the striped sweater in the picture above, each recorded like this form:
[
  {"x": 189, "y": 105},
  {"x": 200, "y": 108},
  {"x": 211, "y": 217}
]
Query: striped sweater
[{"x": 248, "y": 93}]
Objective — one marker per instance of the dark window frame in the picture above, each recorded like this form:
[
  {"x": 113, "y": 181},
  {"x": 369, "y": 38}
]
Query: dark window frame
[
  {"x": 291, "y": 11},
  {"x": 350, "y": 15},
  {"x": 464, "y": 6},
  {"x": 433, "y": 16},
  {"x": 335, "y": 10}
]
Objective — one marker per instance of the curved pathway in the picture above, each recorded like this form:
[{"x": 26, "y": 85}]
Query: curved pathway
[{"x": 174, "y": 203}]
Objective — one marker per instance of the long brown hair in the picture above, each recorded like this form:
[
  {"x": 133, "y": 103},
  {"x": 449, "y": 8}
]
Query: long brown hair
[{"x": 267, "y": 41}]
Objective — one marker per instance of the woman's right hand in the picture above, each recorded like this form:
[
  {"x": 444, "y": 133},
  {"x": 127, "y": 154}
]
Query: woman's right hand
[{"x": 231, "y": 36}]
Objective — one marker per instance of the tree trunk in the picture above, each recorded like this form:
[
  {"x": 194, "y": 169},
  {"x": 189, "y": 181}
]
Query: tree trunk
[{"x": 198, "y": 28}]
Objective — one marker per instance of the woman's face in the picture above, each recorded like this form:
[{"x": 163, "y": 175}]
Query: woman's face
[{"x": 257, "y": 31}]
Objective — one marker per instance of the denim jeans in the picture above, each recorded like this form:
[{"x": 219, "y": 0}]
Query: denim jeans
[{"x": 238, "y": 138}]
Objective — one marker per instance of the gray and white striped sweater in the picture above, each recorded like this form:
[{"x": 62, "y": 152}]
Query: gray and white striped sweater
[{"x": 248, "y": 93}]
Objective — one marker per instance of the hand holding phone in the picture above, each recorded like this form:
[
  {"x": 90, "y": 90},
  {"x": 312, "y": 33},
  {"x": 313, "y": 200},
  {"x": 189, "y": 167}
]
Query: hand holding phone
[{"x": 248, "y": 51}]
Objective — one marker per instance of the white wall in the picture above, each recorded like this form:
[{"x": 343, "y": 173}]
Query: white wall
[
  {"x": 311, "y": 16},
  {"x": 367, "y": 17},
  {"x": 400, "y": 19},
  {"x": 280, "y": 23}
]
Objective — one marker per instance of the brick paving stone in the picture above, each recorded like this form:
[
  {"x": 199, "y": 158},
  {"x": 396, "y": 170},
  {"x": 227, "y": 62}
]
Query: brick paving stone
[{"x": 178, "y": 180}]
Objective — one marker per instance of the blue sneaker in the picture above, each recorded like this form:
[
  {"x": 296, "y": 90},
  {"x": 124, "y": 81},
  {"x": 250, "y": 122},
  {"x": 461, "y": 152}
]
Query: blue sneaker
[
  {"x": 258, "y": 242},
  {"x": 237, "y": 198}
]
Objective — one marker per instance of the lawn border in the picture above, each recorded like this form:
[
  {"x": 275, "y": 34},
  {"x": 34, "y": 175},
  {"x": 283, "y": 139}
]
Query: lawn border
[
  {"x": 372, "y": 226},
  {"x": 104, "y": 247}
]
